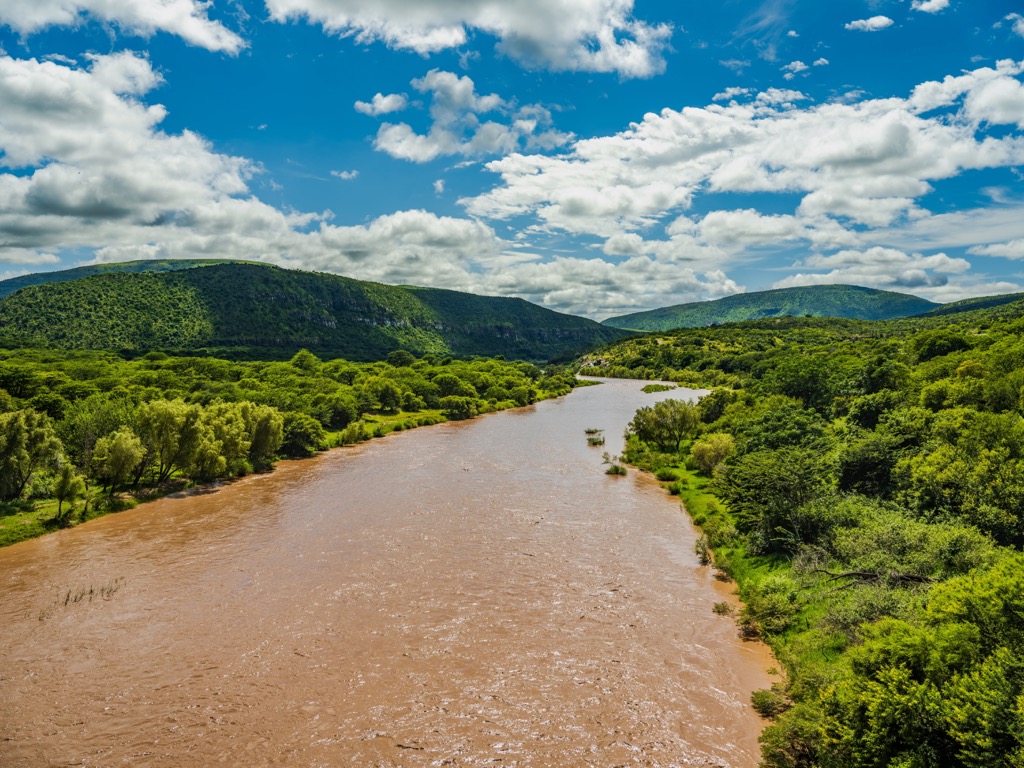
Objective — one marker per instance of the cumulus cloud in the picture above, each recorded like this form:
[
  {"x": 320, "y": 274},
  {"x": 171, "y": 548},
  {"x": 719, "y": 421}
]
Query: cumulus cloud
[
  {"x": 793, "y": 68},
  {"x": 187, "y": 19},
  {"x": 1017, "y": 22},
  {"x": 822, "y": 62},
  {"x": 382, "y": 105},
  {"x": 874, "y": 24},
  {"x": 457, "y": 126},
  {"x": 574, "y": 35},
  {"x": 885, "y": 268},
  {"x": 345, "y": 175},
  {"x": 858, "y": 172},
  {"x": 93, "y": 162},
  {"x": 930, "y": 6}
]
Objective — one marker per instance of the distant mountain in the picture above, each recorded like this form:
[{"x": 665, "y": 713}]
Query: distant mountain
[
  {"x": 969, "y": 305},
  {"x": 265, "y": 312},
  {"x": 7, "y": 287},
  {"x": 845, "y": 301}
]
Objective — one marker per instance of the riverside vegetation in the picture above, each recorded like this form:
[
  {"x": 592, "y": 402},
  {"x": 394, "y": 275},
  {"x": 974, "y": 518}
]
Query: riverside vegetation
[
  {"x": 84, "y": 433},
  {"x": 863, "y": 483}
]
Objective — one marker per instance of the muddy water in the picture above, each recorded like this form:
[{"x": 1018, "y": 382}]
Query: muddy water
[{"x": 476, "y": 593}]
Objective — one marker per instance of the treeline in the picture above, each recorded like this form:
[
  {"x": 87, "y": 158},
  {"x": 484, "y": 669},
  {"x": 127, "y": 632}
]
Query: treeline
[
  {"x": 80, "y": 429},
  {"x": 864, "y": 485}
]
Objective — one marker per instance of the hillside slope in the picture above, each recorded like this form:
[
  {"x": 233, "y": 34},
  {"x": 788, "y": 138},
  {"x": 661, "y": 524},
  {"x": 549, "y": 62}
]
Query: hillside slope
[
  {"x": 9, "y": 286},
  {"x": 844, "y": 301},
  {"x": 261, "y": 311}
]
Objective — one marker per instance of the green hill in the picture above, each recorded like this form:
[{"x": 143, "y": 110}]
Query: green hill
[
  {"x": 7, "y": 287},
  {"x": 969, "y": 305},
  {"x": 260, "y": 311},
  {"x": 844, "y": 301}
]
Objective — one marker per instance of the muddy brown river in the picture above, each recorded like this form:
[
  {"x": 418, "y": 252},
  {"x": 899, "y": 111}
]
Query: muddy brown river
[{"x": 474, "y": 593}]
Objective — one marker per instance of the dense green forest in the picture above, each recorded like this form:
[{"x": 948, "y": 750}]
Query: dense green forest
[
  {"x": 244, "y": 311},
  {"x": 851, "y": 302},
  {"x": 863, "y": 483},
  {"x": 12, "y": 284},
  {"x": 82, "y": 433}
]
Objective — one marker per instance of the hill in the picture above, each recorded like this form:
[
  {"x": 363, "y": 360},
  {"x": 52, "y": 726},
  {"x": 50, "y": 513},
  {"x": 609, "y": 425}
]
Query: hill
[
  {"x": 970, "y": 305},
  {"x": 7, "y": 287},
  {"x": 843, "y": 301},
  {"x": 247, "y": 310}
]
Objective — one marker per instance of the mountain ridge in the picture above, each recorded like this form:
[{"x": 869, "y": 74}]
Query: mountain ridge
[
  {"x": 842, "y": 301},
  {"x": 247, "y": 309}
]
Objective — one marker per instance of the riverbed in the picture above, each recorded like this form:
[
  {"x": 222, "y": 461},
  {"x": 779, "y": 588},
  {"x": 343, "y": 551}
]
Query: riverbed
[{"x": 472, "y": 593}]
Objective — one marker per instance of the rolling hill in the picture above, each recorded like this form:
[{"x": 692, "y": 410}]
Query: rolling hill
[
  {"x": 844, "y": 301},
  {"x": 259, "y": 311},
  {"x": 9, "y": 286}
]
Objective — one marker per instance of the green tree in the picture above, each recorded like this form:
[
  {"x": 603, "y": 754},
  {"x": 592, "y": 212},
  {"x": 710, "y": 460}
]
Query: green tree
[
  {"x": 169, "y": 430},
  {"x": 711, "y": 450},
  {"x": 766, "y": 491},
  {"x": 27, "y": 443},
  {"x": 68, "y": 486},
  {"x": 456, "y": 407},
  {"x": 666, "y": 424},
  {"x": 116, "y": 456},
  {"x": 302, "y": 435},
  {"x": 266, "y": 433}
]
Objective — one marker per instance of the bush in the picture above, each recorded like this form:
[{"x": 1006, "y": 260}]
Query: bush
[{"x": 769, "y": 703}]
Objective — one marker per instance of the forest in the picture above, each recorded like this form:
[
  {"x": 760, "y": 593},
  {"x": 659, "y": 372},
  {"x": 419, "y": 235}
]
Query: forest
[
  {"x": 83, "y": 433},
  {"x": 863, "y": 485}
]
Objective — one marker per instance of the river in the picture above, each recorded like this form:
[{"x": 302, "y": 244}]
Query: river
[{"x": 473, "y": 593}]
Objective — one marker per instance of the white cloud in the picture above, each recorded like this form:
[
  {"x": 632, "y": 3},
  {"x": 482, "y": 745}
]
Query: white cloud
[
  {"x": 382, "y": 105},
  {"x": 792, "y": 33},
  {"x": 874, "y": 24},
  {"x": 885, "y": 268},
  {"x": 858, "y": 172},
  {"x": 457, "y": 128},
  {"x": 930, "y": 6},
  {"x": 185, "y": 18},
  {"x": 346, "y": 175},
  {"x": 793, "y": 68},
  {"x": 730, "y": 93},
  {"x": 439, "y": 186},
  {"x": 94, "y": 166},
  {"x": 1018, "y": 22},
  {"x": 822, "y": 62},
  {"x": 1014, "y": 249},
  {"x": 574, "y": 35}
]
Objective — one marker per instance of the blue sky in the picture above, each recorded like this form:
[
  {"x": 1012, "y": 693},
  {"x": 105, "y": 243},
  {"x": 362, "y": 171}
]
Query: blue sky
[{"x": 593, "y": 156}]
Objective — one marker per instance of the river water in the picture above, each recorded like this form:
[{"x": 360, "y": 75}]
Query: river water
[{"x": 474, "y": 593}]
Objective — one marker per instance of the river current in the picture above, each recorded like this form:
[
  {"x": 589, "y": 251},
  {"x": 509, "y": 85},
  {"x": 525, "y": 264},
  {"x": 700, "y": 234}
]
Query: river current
[{"x": 473, "y": 593}]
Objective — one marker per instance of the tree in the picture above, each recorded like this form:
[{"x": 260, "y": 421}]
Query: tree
[
  {"x": 170, "y": 431},
  {"x": 116, "y": 457},
  {"x": 27, "y": 443},
  {"x": 306, "y": 361},
  {"x": 455, "y": 407},
  {"x": 400, "y": 358},
  {"x": 665, "y": 424},
  {"x": 266, "y": 433},
  {"x": 68, "y": 486},
  {"x": 711, "y": 450},
  {"x": 302, "y": 435},
  {"x": 766, "y": 490}
]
